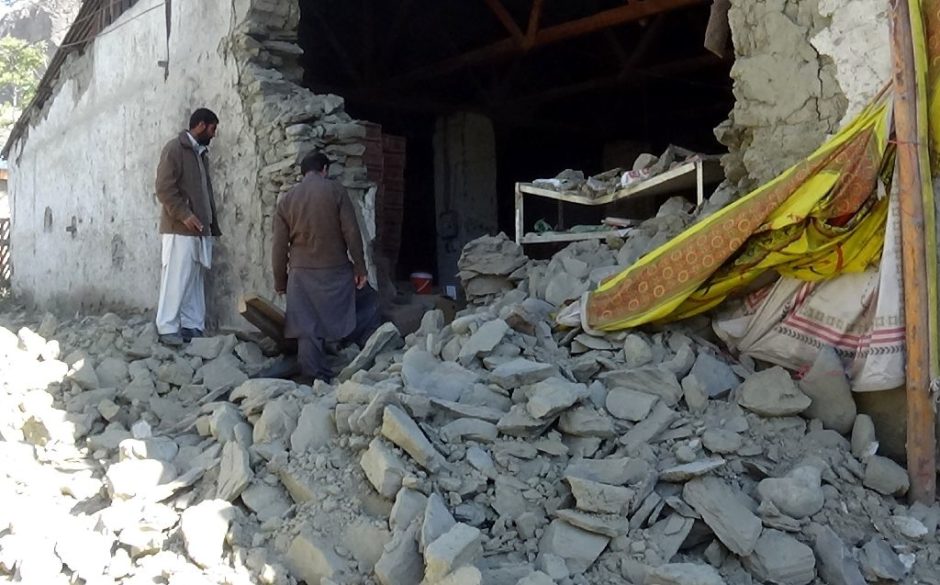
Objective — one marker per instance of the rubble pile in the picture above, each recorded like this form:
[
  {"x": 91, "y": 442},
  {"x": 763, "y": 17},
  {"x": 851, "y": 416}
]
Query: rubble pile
[{"x": 492, "y": 450}]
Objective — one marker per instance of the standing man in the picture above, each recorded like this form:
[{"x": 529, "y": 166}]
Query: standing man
[
  {"x": 188, "y": 222},
  {"x": 317, "y": 237}
]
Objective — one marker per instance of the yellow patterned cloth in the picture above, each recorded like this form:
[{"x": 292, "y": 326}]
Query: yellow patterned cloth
[{"x": 820, "y": 218}]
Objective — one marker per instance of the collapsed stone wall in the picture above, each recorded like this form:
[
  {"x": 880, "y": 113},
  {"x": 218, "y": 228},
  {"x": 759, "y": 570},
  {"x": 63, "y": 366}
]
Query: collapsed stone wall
[
  {"x": 288, "y": 120},
  {"x": 802, "y": 68},
  {"x": 111, "y": 113}
]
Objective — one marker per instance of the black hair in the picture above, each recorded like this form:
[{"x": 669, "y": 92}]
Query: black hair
[
  {"x": 203, "y": 115},
  {"x": 314, "y": 162}
]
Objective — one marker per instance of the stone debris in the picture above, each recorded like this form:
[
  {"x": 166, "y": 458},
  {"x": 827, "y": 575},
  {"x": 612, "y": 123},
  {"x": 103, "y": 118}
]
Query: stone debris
[
  {"x": 492, "y": 449},
  {"x": 772, "y": 392}
]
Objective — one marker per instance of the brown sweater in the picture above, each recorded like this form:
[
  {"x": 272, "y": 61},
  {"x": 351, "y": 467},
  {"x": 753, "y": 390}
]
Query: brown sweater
[
  {"x": 180, "y": 190},
  {"x": 315, "y": 227}
]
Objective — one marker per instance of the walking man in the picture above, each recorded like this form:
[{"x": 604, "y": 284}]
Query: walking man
[
  {"x": 317, "y": 240},
  {"x": 188, "y": 223}
]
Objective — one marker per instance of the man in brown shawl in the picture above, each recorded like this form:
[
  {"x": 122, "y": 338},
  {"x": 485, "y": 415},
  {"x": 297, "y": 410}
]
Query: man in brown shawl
[{"x": 317, "y": 240}]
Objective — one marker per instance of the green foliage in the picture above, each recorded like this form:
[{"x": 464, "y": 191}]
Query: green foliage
[{"x": 21, "y": 67}]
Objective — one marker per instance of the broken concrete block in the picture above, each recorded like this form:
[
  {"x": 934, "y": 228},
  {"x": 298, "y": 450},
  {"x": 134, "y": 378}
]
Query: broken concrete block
[
  {"x": 684, "y": 574},
  {"x": 234, "y": 472},
  {"x": 409, "y": 504},
  {"x": 864, "y": 441},
  {"x": 312, "y": 559},
  {"x": 459, "y": 546},
  {"x": 629, "y": 404},
  {"x": 828, "y": 387},
  {"x": 400, "y": 429},
  {"x": 781, "y": 559},
  {"x": 592, "y": 496},
  {"x": 886, "y": 477},
  {"x": 204, "y": 527},
  {"x": 552, "y": 396},
  {"x": 315, "y": 429},
  {"x": 578, "y": 547},
  {"x": 797, "y": 495},
  {"x": 401, "y": 563},
  {"x": 772, "y": 393},
  {"x": 483, "y": 341},
  {"x": 383, "y": 468},
  {"x": 722, "y": 509}
]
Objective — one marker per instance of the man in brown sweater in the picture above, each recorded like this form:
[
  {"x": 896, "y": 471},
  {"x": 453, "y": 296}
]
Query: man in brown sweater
[
  {"x": 317, "y": 240},
  {"x": 188, "y": 223}
]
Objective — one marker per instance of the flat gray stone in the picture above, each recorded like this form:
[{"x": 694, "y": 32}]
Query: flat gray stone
[
  {"x": 436, "y": 521},
  {"x": 797, "y": 495},
  {"x": 828, "y": 387},
  {"x": 400, "y": 429},
  {"x": 401, "y": 563},
  {"x": 864, "y": 441},
  {"x": 592, "y": 496},
  {"x": 655, "y": 380},
  {"x": 578, "y": 547},
  {"x": 781, "y": 559},
  {"x": 386, "y": 338},
  {"x": 425, "y": 374},
  {"x": 886, "y": 477},
  {"x": 684, "y": 574},
  {"x": 687, "y": 471},
  {"x": 725, "y": 513},
  {"x": 586, "y": 421},
  {"x": 609, "y": 525},
  {"x": 772, "y": 393},
  {"x": 234, "y": 472},
  {"x": 716, "y": 376},
  {"x": 482, "y": 341},
  {"x": 613, "y": 471},
  {"x": 722, "y": 442},
  {"x": 649, "y": 428},
  {"x": 836, "y": 564},
  {"x": 629, "y": 404},
  {"x": 552, "y": 396},
  {"x": 880, "y": 562},
  {"x": 521, "y": 372}
]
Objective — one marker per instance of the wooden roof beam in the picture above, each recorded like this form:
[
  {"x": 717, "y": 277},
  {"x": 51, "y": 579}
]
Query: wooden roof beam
[
  {"x": 508, "y": 22},
  {"x": 635, "y": 10}
]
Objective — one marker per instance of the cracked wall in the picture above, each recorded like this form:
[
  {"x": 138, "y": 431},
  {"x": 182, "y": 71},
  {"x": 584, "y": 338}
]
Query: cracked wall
[
  {"x": 802, "y": 67},
  {"x": 88, "y": 161}
]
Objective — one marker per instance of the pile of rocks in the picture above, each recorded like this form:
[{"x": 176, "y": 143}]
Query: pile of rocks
[{"x": 489, "y": 450}]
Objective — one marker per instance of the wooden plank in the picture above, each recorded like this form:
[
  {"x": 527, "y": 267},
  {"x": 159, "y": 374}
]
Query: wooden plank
[
  {"x": 921, "y": 429},
  {"x": 519, "y": 215},
  {"x": 269, "y": 319},
  {"x": 535, "y": 18},
  {"x": 507, "y": 21},
  {"x": 555, "y": 237},
  {"x": 561, "y": 32}
]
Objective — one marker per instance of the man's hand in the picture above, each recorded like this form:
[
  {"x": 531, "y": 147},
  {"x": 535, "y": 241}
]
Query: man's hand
[
  {"x": 361, "y": 281},
  {"x": 192, "y": 222}
]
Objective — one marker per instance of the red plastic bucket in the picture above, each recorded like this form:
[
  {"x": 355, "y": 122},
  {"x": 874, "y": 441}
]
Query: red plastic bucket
[{"x": 422, "y": 282}]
